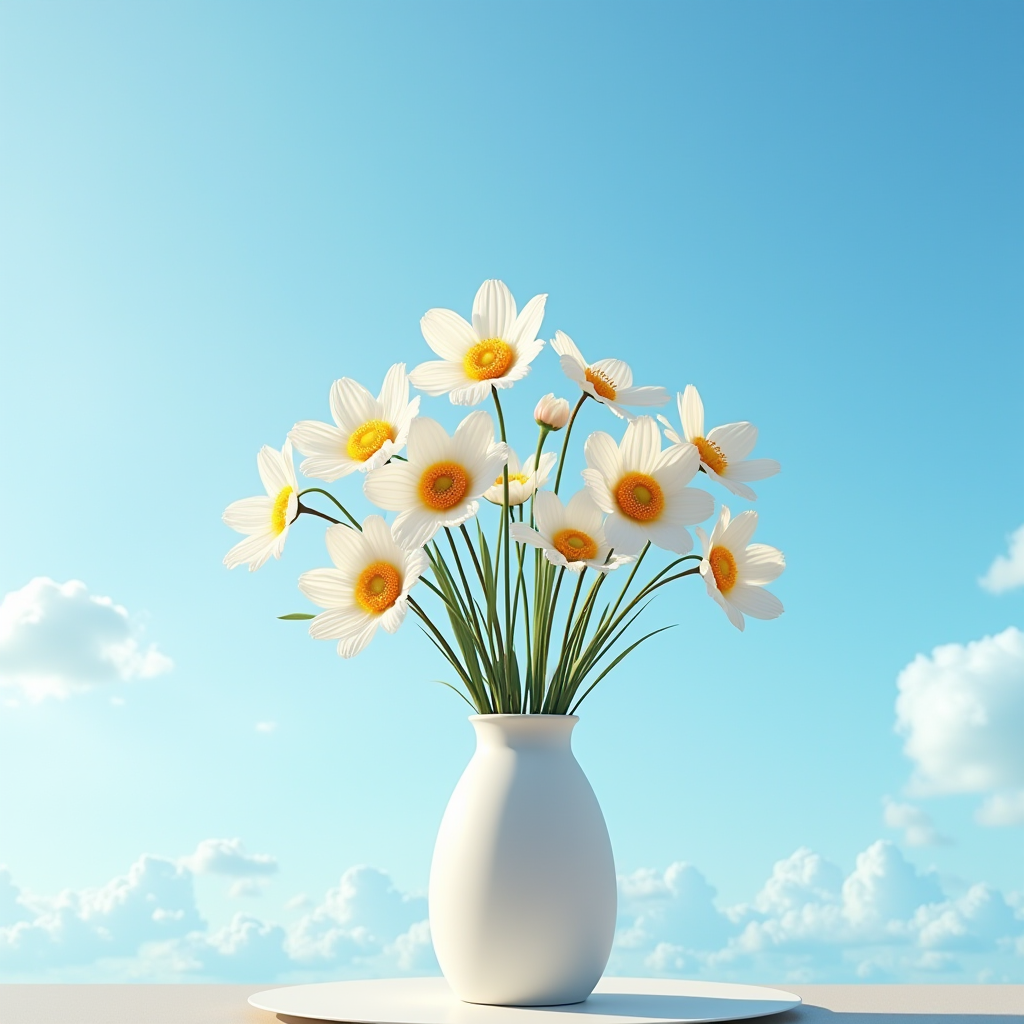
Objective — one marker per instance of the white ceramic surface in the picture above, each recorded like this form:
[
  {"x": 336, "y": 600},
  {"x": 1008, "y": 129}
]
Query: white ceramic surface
[
  {"x": 522, "y": 884},
  {"x": 614, "y": 1001}
]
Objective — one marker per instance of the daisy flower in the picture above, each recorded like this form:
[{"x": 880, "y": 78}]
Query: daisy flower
[
  {"x": 369, "y": 586},
  {"x": 369, "y": 430},
  {"x": 643, "y": 489},
  {"x": 571, "y": 536},
  {"x": 724, "y": 450},
  {"x": 444, "y": 476},
  {"x": 266, "y": 520},
  {"x": 609, "y": 381},
  {"x": 494, "y": 351},
  {"x": 735, "y": 571},
  {"x": 521, "y": 482}
]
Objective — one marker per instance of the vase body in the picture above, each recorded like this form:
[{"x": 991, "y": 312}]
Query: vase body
[{"x": 522, "y": 884}]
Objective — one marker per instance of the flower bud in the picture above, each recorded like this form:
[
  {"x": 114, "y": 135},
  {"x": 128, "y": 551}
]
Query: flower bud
[{"x": 551, "y": 412}]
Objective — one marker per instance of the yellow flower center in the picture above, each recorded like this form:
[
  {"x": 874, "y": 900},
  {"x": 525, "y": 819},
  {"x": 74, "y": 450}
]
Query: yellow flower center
[
  {"x": 576, "y": 545},
  {"x": 723, "y": 565},
  {"x": 378, "y": 587},
  {"x": 443, "y": 485},
  {"x": 519, "y": 478},
  {"x": 279, "y": 513},
  {"x": 488, "y": 359},
  {"x": 603, "y": 384},
  {"x": 368, "y": 439},
  {"x": 711, "y": 455},
  {"x": 640, "y": 497}
]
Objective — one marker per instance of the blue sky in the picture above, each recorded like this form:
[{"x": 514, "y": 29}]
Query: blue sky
[{"x": 811, "y": 211}]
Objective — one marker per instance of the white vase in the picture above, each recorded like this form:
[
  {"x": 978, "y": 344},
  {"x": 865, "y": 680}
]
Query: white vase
[{"x": 522, "y": 885}]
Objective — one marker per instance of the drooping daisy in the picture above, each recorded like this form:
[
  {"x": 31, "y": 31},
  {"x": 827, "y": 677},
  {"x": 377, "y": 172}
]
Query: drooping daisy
[
  {"x": 444, "y": 476},
  {"x": 571, "y": 536},
  {"x": 265, "y": 519},
  {"x": 724, "y": 450},
  {"x": 369, "y": 586},
  {"x": 522, "y": 482},
  {"x": 494, "y": 351},
  {"x": 643, "y": 489},
  {"x": 736, "y": 571},
  {"x": 610, "y": 381},
  {"x": 369, "y": 430}
]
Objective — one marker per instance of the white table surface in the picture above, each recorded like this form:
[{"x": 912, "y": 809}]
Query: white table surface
[{"x": 226, "y": 1004}]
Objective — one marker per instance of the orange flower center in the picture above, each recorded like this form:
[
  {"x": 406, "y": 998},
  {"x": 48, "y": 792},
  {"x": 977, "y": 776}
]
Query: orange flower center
[
  {"x": 368, "y": 439},
  {"x": 488, "y": 359},
  {"x": 640, "y": 497},
  {"x": 576, "y": 545},
  {"x": 723, "y": 565},
  {"x": 279, "y": 513},
  {"x": 378, "y": 587},
  {"x": 711, "y": 455},
  {"x": 519, "y": 478},
  {"x": 443, "y": 485},
  {"x": 603, "y": 384}
]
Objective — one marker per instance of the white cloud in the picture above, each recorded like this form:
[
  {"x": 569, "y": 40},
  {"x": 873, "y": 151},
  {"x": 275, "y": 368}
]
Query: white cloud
[
  {"x": 248, "y": 887},
  {"x": 266, "y": 727},
  {"x": 1007, "y": 571},
  {"x": 918, "y": 829},
  {"x": 962, "y": 713},
  {"x": 228, "y": 857},
  {"x": 57, "y": 639},
  {"x": 1002, "y": 809}
]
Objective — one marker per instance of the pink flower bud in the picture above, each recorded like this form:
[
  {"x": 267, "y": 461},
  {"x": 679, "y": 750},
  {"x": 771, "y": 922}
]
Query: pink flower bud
[{"x": 552, "y": 412}]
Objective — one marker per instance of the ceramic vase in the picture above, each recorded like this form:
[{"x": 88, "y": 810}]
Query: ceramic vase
[{"x": 522, "y": 884}]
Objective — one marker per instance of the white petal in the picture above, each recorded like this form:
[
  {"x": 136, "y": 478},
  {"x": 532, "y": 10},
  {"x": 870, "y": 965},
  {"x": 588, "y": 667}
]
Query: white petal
[
  {"x": 755, "y": 601},
  {"x": 526, "y": 352},
  {"x": 678, "y": 463},
  {"x": 549, "y": 512},
  {"x": 736, "y": 440},
  {"x": 734, "y": 486},
  {"x": 599, "y": 490},
  {"x": 762, "y": 564},
  {"x": 691, "y": 412},
  {"x": 415, "y": 527},
  {"x": 428, "y": 443},
  {"x": 351, "y": 646},
  {"x": 527, "y": 324},
  {"x": 438, "y": 377},
  {"x": 692, "y": 505},
  {"x": 604, "y": 456},
  {"x": 735, "y": 615},
  {"x": 575, "y": 372},
  {"x": 338, "y": 622},
  {"x": 275, "y": 477},
  {"x": 347, "y": 549},
  {"x": 752, "y": 469},
  {"x": 523, "y": 534},
  {"x": 328, "y": 588},
  {"x": 312, "y": 437},
  {"x": 394, "y": 393},
  {"x": 642, "y": 396},
  {"x": 392, "y": 487},
  {"x": 254, "y": 551},
  {"x": 472, "y": 394},
  {"x": 705, "y": 541},
  {"x": 547, "y": 464},
  {"x": 566, "y": 347},
  {"x": 739, "y": 532},
  {"x": 473, "y": 438},
  {"x": 352, "y": 405},
  {"x": 447, "y": 334},
  {"x": 623, "y": 535},
  {"x": 379, "y": 544},
  {"x": 494, "y": 311},
  {"x": 617, "y": 371},
  {"x": 583, "y": 514},
  {"x": 670, "y": 536},
  {"x": 249, "y": 515},
  {"x": 641, "y": 445},
  {"x": 393, "y": 617}
]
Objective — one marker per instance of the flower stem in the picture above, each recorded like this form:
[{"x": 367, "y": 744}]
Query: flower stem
[
  {"x": 319, "y": 490},
  {"x": 565, "y": 443}
]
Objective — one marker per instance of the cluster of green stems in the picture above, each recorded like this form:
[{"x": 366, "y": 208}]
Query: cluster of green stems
[{"x": 485, "y": 594}]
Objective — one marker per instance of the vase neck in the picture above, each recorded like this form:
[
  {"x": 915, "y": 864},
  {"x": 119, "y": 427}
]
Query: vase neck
[{"x": 520, "y": 732}]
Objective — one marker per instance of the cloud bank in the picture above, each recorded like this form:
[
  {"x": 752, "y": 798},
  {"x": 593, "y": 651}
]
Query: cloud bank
[
  {"x": 1007, "y": 571},
  {"x": 57, "y": 639},
  {"x": 884, "y": 920}
]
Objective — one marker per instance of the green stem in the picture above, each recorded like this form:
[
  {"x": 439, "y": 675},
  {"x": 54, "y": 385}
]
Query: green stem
[
  {"x": 505, "y": 542},
  {"x": 565, "y": 443},
  {"x": 319, "y": 490}
]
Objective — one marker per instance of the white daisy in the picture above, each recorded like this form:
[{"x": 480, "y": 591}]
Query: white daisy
[
  {"x": 444, "y": 476},
  {"x": 643, "y": 489},
  {"x": 724, "y": 450},
  {"x": 609, "y": 381},
  {"x": 368, "y": 588},
  {"x": 571, "y": 536},
  {"x": 735, "y": 571},
  {"x": 266, "y": 520},
  {"x": 494, "y": 351},
  {"x": 521, "y": 482},
  {"x": 369, "y": 430}
]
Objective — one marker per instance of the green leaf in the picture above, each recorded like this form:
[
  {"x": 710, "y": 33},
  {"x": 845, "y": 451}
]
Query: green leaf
[{"x": 297, "y": 615}]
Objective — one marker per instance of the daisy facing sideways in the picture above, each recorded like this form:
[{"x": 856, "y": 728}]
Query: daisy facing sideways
[
  {"x": 495, "y": 350},
  {"x": 724, "y": 450},
  {"x": 368, "y": 430},
  {"x": 522, "y": 482},
  {"x": 571, "y": 536},
  {"x": 643, "y": 489},
  {"x": 266, "y": 520},
  {"x": 609, "y": 381},
  {"x": 736, "y": 571},
  {"x": 444, "y": 476},
  {"x": 369, "y": 586}
]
